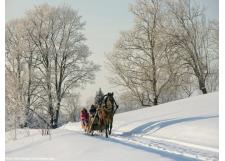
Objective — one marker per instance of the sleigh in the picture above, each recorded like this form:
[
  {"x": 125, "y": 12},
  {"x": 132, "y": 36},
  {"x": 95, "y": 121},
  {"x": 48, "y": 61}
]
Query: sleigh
[
  {"x": 103, "y": 118},
  {"x": 94, "y": 125}
]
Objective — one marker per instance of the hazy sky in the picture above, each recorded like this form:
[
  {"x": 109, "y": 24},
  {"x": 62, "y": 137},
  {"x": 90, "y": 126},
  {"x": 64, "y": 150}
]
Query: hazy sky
[{"x": 104, "y": 20}]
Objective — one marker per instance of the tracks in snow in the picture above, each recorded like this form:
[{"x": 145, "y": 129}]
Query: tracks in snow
[
  {"x": 195, "y": 152},
  {"x": 149, "y": 143}
]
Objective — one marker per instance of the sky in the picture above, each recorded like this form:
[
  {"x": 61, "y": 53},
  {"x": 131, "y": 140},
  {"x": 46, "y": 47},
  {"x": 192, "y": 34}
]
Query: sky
[{"x": 105, "y": 19}]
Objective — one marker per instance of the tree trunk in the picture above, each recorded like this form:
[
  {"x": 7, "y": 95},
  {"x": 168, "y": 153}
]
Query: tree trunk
[
  {"x": 154, "y": 80},
  {"x": 202, "y": 86},
  {"x": 15, "y": 127},
  {"x": 50, "y": 106},
  {"x": 155, "y": 101},
  {"x": 50, "y": 110},
  {"x": 57, "y": 115},
  {"x": 49, "y": 90},
  {"x": 28, "y": 93},
  {"x": 203, "y": 89}
]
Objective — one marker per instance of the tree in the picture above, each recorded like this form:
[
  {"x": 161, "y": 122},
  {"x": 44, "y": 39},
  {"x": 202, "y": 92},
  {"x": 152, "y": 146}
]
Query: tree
[
  {"x": 57, "y": 33},
  {"x": 99, "y": 96},
  {"x": 212, "y": 81},
  {"x": 48, "y": 48},
  {"x": 14, "y": 104},
  {"x": 14, "y": 75},
  {"x": 190, "y": 32},
  {"x": 39, "y": 29},
  {"x": 72, "y": 107},
  {"x": 127, "y": 102},
  {"x": 170, "y": 50},
  {"x": 140, "y": 58}
]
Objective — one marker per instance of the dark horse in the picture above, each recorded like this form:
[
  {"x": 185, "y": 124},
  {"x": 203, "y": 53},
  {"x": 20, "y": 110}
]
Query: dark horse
[{"x": 106, "y": 111}]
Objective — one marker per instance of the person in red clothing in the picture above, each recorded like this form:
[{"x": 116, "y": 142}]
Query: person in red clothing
[{"x": 84, "y": 117}]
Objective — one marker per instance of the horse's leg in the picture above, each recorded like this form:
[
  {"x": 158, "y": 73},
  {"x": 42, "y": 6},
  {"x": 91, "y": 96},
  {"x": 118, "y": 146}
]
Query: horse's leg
[
  {"x": 101, "y": 126},
  {"x": 101, "y": 121},
  {"x": 106, "y": 131},
  {"x": 111, "y": 123}
]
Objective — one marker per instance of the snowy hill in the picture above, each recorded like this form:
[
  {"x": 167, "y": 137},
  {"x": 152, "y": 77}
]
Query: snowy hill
[{"x": 182, "y": 130}]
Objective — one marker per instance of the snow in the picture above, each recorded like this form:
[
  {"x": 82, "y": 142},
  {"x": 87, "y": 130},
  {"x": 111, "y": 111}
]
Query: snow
[
  {"x": 183, "y": 130},
  {"x": 193, "y": 120}
]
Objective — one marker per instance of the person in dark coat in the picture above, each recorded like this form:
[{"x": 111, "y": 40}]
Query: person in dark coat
[{"x": 92, "y": 110}]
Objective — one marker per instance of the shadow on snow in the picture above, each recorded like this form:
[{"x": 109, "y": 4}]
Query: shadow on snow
[{"x": 154, "y": 126}]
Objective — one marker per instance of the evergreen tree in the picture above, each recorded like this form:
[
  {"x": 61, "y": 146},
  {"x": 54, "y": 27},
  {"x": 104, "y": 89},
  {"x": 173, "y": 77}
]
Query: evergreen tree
[{"x": 98, "y": 97}]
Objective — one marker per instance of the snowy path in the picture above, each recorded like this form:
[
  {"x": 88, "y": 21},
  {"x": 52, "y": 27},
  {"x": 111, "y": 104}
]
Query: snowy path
[
  {"x": 179, "y": 150},
  {"x": 68, "y": 145}
]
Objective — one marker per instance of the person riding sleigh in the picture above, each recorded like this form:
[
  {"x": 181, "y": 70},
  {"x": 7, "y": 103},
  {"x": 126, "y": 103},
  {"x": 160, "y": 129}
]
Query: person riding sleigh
[{"x": 84, "y": 117}]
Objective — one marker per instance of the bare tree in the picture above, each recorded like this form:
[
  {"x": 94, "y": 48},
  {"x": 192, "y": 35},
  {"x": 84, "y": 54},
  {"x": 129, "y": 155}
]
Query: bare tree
[
  {"x": 14, "y": 75},
  {"x": 190, "y": 31},
  {"x": 71, "y": 67},
  {"x": 30, "y": 63},
  {"x": 140, "y": 58},
  {"x": 170, "y": 50},
  {"x": 127, "y": 102},
  {"x": 212, "y": 80},
  {"x": 71, "y": 107},
  {"x": 39, "y": 32},
  {"x": 50, "y": 46},
  {"x": 64, "y": 54}
]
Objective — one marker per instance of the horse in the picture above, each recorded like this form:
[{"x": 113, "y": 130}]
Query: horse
[{"x": 106, "y": 111}]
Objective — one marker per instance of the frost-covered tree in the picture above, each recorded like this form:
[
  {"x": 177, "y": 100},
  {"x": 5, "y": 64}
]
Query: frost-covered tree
[
  {"x": 127, "y": 102},
  {"x": 14, "y": 104},
  {"x": 57, "y": 34},
  {"x": 53, "y": 49},
  {"x": 71, "y": 107},
  {"x": 192, "y": 34},
  {"x": 141, "y": 60},
  {"x": 171, "y": 50},
  {"x": 15, "y": 75}
]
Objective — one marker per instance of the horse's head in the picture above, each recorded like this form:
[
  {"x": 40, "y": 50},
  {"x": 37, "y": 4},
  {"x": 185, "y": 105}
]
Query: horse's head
[
  {"x": 110, "y": 100},
  {"x": 110, "y": 97}
]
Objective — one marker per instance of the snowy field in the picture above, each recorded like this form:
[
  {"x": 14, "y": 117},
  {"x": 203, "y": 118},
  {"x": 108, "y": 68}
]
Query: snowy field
[{"x": 184, "y": 130}]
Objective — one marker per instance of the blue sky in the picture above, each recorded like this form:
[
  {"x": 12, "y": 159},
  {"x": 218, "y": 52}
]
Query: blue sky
[{"x": 104, "y": 20}]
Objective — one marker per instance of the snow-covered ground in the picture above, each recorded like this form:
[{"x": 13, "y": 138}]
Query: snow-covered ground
[{"x": 183, "y": 130}]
